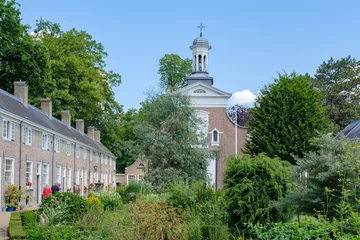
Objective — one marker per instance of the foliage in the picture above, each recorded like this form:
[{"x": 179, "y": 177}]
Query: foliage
[
  {"x": 16, "y": 230},
  {"x": 252, "y": 184},
  {"x": 173, "y": 71},
  {"x": 56, "y": 233},
  {"x": 13, "y": 192},
  {"x": 29, "y": 218},
  {"x": 287, "y": 115},
  {"x": 168, "y": 131},
  {"x": 307, "y": 229},
  {"x": 132, "y": 190},
  {"x": 21, "y": 58},
  {"x": 62, "y": 208},
  {"x": 111, "y": 200},
  {"x": 338, "y": 83},
  {"x": 243, "y": 114},
  {"x": 326, "y": 174}
]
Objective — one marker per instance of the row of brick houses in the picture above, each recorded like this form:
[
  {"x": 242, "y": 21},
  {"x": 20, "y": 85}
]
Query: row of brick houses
[{"x": 39, "y": 149}]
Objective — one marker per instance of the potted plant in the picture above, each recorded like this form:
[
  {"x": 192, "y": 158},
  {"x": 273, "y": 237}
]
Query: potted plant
[
  {"x": 85, "y": 188},
  {"x": 13, "y": 192},
  {"x": 10, "y": 207},
  {"x": 28, "y": 185}
]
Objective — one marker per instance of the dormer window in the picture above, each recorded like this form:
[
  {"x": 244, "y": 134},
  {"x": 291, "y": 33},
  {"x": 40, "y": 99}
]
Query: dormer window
[{"x": 215, "y": 137}]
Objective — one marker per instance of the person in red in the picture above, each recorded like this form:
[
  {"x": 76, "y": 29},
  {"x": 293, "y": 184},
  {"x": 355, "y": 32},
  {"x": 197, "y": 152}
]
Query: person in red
[{"x": 46, "y": 191}]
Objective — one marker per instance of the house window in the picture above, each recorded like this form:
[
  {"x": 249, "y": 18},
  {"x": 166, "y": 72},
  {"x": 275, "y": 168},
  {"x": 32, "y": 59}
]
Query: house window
[
  {"x": 38, "y": 168},
  {"x": 102, "y": 158},
  {"x": 68, "y": 181},
  {"x": 97, "y": 157},
  {"x": 215, "y": 137},
  {"x": 68, "y": 149},
  {"x": 57, "y": 145},
  {"x": 199, "y": 91},
  {"x": 202, "y": 128},
  {"x": 131, "y": 178},
  {"x": 27, "y": 135},
  {"x": 85, "y": 178},
  {"x": 90, "y": 155},
  {"x": 77, "y": 177},
  {"x": 45, "y": 141},
  {"x": 29, "y": 172},
  {"x": 45, "y": 174},
  {"x": 85, "y": 153},
  {"x": 58, "y": 174},
  {"x": 77, "y": 151},
  {"x": 140, "y": 178},
  {"x": 8, "y": 130},
  {"x": 114, "y": 165},
  {"x": 91, "y": 177},
  {"x": 9, "y": 171}
]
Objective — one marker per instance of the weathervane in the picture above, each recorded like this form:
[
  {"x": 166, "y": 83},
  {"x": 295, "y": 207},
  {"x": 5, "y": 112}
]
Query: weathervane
[{"x": 201, "y": 27}]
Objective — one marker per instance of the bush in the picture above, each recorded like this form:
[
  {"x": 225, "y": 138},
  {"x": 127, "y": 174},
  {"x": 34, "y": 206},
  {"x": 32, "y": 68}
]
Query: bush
[
  {"x": 56, "y": 232},
  {"x": 252, "y": 184},
  {"x": 16, "y": 230},
  {"x": 133, "y": 190},
  {"x": 182, "y": 195},
  {"x": 29, "y": 218},
  {"x": 62, "y": 208},
  {"x": 110, "y": 200}
]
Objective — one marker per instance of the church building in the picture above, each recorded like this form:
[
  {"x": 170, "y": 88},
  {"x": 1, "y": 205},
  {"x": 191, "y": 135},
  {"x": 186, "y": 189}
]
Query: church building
[{"x": 224, "y": 139}]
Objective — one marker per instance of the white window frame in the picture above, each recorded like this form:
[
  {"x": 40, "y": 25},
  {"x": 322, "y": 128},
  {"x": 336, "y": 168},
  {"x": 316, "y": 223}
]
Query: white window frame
[
  {"x": 11, "y": 171},
  {"x": 57, "y": 145},
  {"x": 90, "y": 154},
  {"x": 77, "y": 151},
  {"x": 64, "y": 178},
  {"x": 58, "y": 173},
  {"x": 45, "y": 141},
  {"x": 68, "y": 149},
  {"x": 68, "y": 181},
  {"x": 77, "y": 177},
  {"x": 45, "y": 173},
  {"x": 85, "y": 178},
  {"x": 215, "y": 143},
  {"x": 97, "y": 157},
  {"x": 8, "y": 130},
  {"x": 29, "y": 174},
  {"x": 27, "y": 135},
  {"x": 101, "y": 158},
  {"x": 85, "y": 153},
  {"x": 91, "y": 175},
  {"x": 128, "y": 176}
]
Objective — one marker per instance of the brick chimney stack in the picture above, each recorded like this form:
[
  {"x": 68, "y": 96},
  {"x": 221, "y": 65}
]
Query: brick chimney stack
[
  {"x": 66, "y": 117},
  {"x": 97, "y": 136},
  {"x": 21, "y": 91},
  {"x": 46, "y": 106},
  {"x": 80, "y": 125},
  {"x": 90, "y": 132}
]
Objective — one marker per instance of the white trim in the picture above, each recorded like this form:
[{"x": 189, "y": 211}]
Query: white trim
[
  {"x": 215, "y": 143},
  {"x": 68, "y": 149},
  {"x": 56, "y": 173},
  {"x": 46, "y": 180},
  {"x": 31, "y": 174},
  {"x": 12, "y": 172},
  {"x": 45, "y": 141},
  {"x": 127, "y": 178}
]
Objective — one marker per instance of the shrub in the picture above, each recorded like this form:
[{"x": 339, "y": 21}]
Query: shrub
[
  {"x": 56, "y": 232},
  {"x": 111, "y": 200},
  {"x": 182, "y": 195},
  {"x": 16, "y": 230},
  {"x": 251, "y": 186},
  {"x": 133, "y": 190},
  {"x": 29, "y": 218},
  {"x": 62, "y": 207}
]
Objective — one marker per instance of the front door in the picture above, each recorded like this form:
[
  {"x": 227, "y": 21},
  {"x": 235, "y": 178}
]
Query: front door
[{"x": 38, "y": 183}]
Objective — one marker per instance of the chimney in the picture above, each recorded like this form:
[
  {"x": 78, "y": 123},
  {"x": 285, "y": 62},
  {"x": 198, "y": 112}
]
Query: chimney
[
  {"x": 46, "y": 106},
  {"x": 66, "y": 117},
  {"x": 90, "y": 132},
  {"x": 21, "y": 91},
  {"x": 97, "y": 136},
  {"x": 80, "y": 125}
]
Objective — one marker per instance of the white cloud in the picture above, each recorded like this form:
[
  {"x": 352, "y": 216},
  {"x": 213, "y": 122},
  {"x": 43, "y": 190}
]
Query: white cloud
[{"x": 245, "y": 97}]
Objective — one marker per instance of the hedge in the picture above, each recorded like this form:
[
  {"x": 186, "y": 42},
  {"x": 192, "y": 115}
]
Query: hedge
[{"x": 16, "y": 230}]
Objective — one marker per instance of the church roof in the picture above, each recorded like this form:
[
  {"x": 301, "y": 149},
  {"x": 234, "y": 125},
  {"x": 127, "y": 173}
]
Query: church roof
[
  {"x": 352, "y": 131},
  {"x": 201, "y": 41}
]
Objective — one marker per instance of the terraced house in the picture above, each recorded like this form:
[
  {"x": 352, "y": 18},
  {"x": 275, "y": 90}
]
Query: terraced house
[{"x": 37, "y": 149}]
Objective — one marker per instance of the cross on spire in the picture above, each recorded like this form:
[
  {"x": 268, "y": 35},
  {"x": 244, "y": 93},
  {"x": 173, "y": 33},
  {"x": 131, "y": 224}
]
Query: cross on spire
[{"x": 201, "y": 27}]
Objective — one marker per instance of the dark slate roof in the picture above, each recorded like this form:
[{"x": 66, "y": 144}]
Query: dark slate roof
[
  {"x": 352, "y": 131},
  {"x": 12, "y": 104}
]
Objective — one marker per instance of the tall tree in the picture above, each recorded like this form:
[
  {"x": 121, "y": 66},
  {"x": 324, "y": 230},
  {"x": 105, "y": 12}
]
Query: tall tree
[
  {"x": 339, "y": 84},
  {"x": 169, "y": 134},
  {"x": 21, "y": 58},
  {"x": 173, "y": 71},
  {"x": 287, "y": 115}
]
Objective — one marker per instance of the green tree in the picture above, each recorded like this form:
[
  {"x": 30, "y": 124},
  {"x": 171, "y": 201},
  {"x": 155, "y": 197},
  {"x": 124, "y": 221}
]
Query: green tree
[
  {"x": 168, "y": 131},
  {"x": 287, "y": 115},
  {"x": 21, "y": 58},
  {"x": 325, "y": 175},
  {"x": 173, "y": 71},
  {"x": 252, "y": 184},
  {"x": 338, "y": 83}
]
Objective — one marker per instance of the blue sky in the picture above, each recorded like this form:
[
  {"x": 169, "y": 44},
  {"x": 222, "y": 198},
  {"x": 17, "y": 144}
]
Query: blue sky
[{"x": 252, "y": 40}]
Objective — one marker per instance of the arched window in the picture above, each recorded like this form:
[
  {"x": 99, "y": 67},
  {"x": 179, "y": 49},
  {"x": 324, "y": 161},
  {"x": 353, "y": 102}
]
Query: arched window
[
  {"x": 205, "y": 66},
  {"x": 200, "y": 63},
  {"x": 215, "y": 137}
]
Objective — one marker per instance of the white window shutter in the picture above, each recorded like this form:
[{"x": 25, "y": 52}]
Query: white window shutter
[
  {"x": 4, "y": 128},
  {"x": 13, "y": 131}
]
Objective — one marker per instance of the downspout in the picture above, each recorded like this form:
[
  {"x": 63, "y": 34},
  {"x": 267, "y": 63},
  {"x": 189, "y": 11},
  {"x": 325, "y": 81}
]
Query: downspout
[
  {"x": 53, "y": 159},
  {"x": 20, "y": 154},
  {"x": 74, "y": 168}
]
